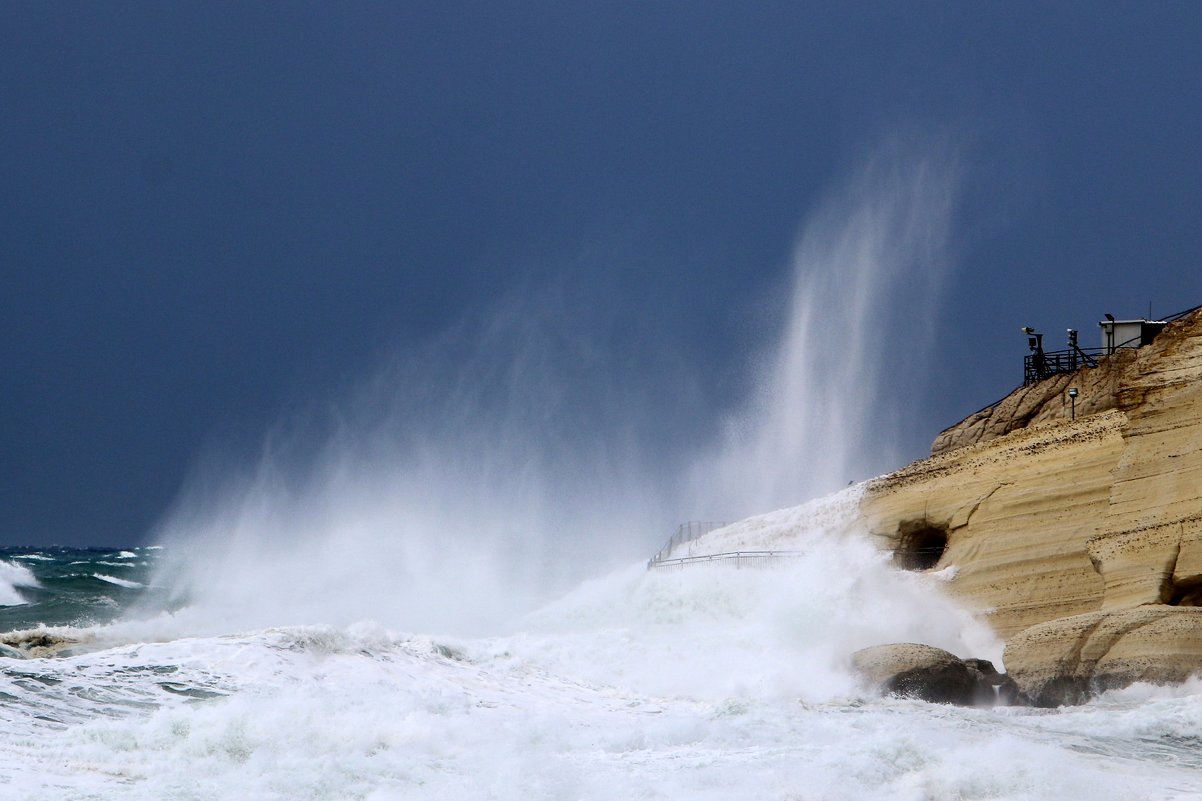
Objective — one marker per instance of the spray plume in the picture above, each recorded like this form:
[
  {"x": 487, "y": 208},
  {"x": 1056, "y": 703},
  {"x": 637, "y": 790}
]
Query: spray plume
[
  {"x": 851, "y": 359},
  {"x": 500, "y": 464}
]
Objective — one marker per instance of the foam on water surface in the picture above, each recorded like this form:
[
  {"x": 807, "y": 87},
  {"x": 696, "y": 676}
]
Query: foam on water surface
[
  {"x": 324, "y": 713},
  {"x": 704, "y": 683},
  {"x": 126, "y": 583}
]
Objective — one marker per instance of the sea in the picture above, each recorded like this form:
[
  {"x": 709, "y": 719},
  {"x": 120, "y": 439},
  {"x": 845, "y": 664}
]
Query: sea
[{"x": 717, "y": 680}]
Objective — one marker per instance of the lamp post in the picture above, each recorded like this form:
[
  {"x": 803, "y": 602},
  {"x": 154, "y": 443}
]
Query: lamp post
[{"x": 1072, "y": 394}]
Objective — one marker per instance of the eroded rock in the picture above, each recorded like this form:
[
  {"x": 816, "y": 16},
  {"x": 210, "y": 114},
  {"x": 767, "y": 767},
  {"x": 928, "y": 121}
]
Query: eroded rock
[
  {"x": 1079, "y": 539},
  {"x": 1047, "y": 517},
  {"x": 913, "y": 670},
  {"x": 1067, "y": 661},
  {"x": 1040, "y": 403}
]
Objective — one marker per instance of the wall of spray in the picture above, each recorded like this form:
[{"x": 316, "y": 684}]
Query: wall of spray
[
  {"x": 498, "y": 464},
  {"x": 852, "y": 359}
]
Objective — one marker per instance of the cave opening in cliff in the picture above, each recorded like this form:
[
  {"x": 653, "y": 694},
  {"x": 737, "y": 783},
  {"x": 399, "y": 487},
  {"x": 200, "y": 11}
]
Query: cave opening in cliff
[
  {"x": 1185, "y": 592},
  {"x": 920, "y": 545}
]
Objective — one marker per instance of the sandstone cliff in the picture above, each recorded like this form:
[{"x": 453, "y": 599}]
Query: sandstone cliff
[{"x": 1082, "y": 539}]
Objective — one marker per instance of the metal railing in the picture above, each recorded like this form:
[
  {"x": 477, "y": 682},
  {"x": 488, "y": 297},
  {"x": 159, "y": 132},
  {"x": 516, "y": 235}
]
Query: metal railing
[
  {"x": 1044, "y": 364},
  {"x": 740, "y": 558},
  {"x": 1092, "y": 351},
  {"x": 685, "y": 532}
]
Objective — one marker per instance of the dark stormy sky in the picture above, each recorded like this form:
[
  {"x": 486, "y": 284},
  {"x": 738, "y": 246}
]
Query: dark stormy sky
[{"x": 220, "y": 216}]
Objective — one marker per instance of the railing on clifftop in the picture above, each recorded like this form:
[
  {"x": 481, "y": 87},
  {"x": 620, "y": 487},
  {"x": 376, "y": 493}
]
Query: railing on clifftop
[
  {"x": 1044, "y": 364},
  {"x": 685, "y": 532},
  {"x": 740, "y": 558},
  {"x": 1029, "y": 371}
]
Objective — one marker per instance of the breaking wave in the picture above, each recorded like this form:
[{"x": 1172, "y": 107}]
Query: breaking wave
[{"x": 13, "y": 576}]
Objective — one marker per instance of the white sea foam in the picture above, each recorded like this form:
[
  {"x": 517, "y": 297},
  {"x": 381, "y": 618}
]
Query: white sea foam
[
  {"x": 120, "y": 582},
  {"x": 581, "y": 705},
  {"x": 792, "y": 528}
]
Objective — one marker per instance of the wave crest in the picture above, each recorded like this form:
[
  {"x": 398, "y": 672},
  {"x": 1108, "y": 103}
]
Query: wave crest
[{"x": 13, "y": 576}]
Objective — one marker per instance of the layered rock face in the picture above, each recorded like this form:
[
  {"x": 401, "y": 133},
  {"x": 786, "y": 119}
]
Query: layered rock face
[
  {"x": 1040, "y": 403},
  {"x": 1081, "y": 539},
  {"x": 1066, "y": 661}
]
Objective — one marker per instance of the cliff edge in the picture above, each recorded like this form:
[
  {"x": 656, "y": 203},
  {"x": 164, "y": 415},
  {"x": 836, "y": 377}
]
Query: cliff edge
[{"x": 1080, "y": 538}]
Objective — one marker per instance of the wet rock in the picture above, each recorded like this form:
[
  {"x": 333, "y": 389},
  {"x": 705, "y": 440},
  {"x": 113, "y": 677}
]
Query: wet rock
[
  {"x": 1070, "y": 660},
  {"x": 913, "y": 670},
  {"x": 1007, "y": 690}
]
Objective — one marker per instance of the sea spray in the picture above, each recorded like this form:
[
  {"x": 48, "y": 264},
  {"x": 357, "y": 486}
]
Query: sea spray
[
  {"x": 851, "y": 362},
  {"x": 782, "y": 626},
  {"x": 457, "y": 489},
  {"x": 501, "y": 463}
]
